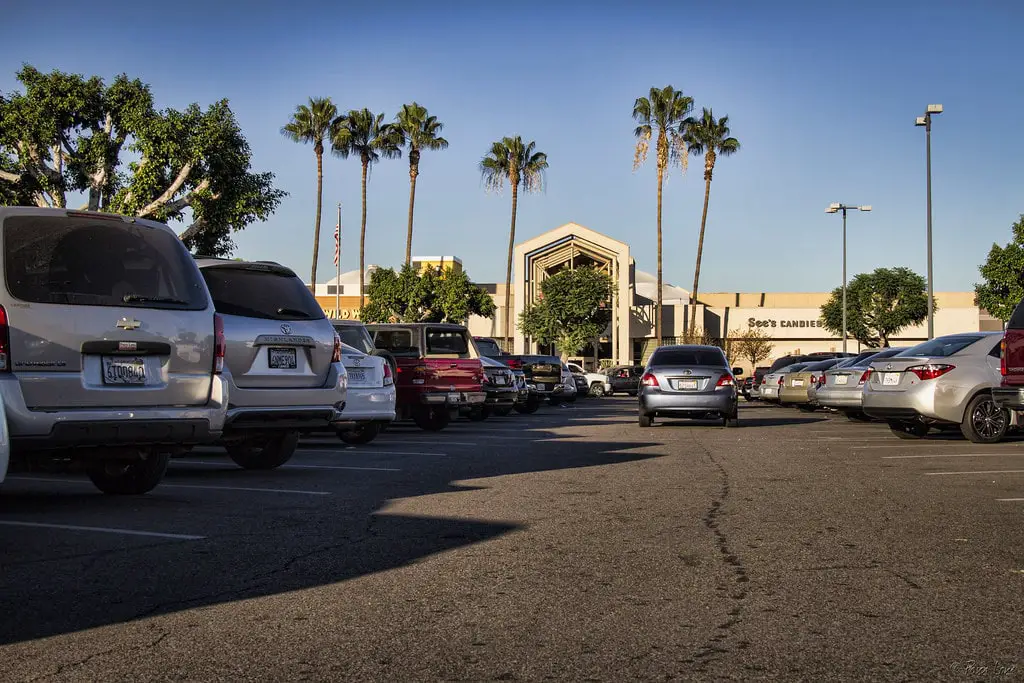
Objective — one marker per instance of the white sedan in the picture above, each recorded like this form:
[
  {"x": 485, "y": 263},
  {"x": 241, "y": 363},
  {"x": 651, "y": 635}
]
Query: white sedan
[{"x": 370, "y": 404}]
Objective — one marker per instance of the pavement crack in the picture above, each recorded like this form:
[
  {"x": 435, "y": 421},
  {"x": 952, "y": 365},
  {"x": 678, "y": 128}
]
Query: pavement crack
[{"x": 63, "y": 668}]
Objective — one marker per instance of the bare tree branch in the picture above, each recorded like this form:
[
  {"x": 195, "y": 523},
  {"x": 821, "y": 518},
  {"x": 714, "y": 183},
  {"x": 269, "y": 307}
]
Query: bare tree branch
[
  {"x": 192, "y": 230},
  {"x": 168, "y": 193},
  {"x": 10, "y": 177},
  {"x": 179, "y": 204}
]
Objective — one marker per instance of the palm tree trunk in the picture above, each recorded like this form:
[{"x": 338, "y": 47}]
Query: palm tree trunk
[
  {"x": 657, "y": 306},
  {"x": 508, "y": 270},
  {"x": 316, "y": 228},
  {"x": 700, "y": 250},
  {"x": 413, "y": 172},
  {"x": 362, "y": 241}
]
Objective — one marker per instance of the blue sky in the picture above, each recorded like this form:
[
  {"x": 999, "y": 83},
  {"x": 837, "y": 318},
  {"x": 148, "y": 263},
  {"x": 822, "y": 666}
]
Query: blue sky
[{"x": 822, "y": 96}]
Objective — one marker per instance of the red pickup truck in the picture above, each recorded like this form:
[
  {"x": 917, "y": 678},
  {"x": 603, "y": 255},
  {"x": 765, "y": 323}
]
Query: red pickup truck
[{"x": 438, "y": 371}]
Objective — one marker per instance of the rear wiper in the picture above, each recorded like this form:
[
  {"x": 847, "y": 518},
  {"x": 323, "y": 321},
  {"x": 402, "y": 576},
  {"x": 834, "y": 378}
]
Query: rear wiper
[
  {"x": 138, "y": 298},
  {"x": 293, "y": 312}
]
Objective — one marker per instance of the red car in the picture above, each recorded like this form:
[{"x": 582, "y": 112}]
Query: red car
[{"x": 438, "y": 371}]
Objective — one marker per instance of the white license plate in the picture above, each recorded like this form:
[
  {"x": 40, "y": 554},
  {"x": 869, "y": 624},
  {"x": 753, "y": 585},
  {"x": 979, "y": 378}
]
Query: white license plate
[
  {"x": 124, "y": 370},
  {"x": 499, "y": 379},
  {"x": 842, "y": 380},
  {"x": 798, "y": 383},
  {"x": 686, "y": 384},
  {"x": 356, "y": 375},
  {"x": 542, "y": 387},
  {"x": 890, "y": 379},
  {"x": 281, "y": 359},
  {"x": 453, "y": 398}
]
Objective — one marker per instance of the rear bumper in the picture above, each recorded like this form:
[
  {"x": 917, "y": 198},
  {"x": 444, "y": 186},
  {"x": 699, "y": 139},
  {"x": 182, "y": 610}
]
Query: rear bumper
[
  {"x": 769, "y": 393},
  {"x": 1009, "y": 397},
  {"x": 504, "y": 396},
  {"x": 793, "y": 395},
  {"x": 667, "y": 404},
  {"x": 453, "y": 399},
  {"x": 331, "y": 395},
  {"x": 840, "y": 398},
  {"x": 374, "y": 404},
  {"x": 156, "y": 426}
]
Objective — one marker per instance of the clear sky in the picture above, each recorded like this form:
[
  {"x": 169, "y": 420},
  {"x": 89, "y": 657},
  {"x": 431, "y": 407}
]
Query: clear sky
[{"x": 822, "y": 95}]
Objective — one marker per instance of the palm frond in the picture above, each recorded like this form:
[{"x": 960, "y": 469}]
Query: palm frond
[{"x": 312, "y": 122}]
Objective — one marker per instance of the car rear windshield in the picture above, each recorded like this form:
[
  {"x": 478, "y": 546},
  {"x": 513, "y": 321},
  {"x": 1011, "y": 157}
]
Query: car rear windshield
[
  {"x": 270, "y": 294},
  {"x": 488, "y": 347},
  {"x": 1017, "y": 318},
  {"x": 398, "y": 342},
  {"x": 942, "y": 347},
  {"x": 98, "y": 262},
  {"x": 355, "y": 336},
  {"x": 688, "y": 357},
  {"x": 447, "y": 343}
]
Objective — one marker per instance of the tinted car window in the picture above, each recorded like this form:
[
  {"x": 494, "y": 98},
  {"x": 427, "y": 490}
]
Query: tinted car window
[
  {"x": 1017, "y": 318},
  {"x": 699, "y": 357},
  {"x": 96, "y": 262},
  {"x": 269, "y": 294},
  {"x": 943, "y": 346},
  {"x": 398, "y": 342},
  {"x": 447, "y": 342},
  {"x": 356, "y": 337},
  {"x": 488, "y": 347}
]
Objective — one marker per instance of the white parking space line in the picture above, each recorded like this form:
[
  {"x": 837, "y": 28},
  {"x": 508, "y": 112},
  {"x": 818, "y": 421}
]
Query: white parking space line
[
  {"x": 370, "y": 451},
  {"x": 185, "y": 486},
  {"x": 1010, "y": 500},
  {"x": 291, "y": 467},
  {"x": 952, "y": 455},
  {"x": 950, "y": 474},
  {"x": 918, "y": 445},
  {"x": 103, "y": 530},
  {"x": 424, "y": 442}
]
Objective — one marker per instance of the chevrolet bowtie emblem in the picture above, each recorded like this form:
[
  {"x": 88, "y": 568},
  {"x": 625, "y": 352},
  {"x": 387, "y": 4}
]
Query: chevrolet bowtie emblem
[{"x": 129, "y": 324}]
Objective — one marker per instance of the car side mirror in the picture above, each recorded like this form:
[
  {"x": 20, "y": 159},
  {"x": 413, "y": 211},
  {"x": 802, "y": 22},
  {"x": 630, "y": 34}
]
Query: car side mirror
[{"x": 737, "y": 371}]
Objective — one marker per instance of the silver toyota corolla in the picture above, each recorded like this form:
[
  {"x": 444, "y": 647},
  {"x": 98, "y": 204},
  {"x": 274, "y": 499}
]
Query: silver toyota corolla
[
  {"x": 947, "y": 380},
  {"x": 843, "y": 386},
  {"x": 688, "y": 381}
]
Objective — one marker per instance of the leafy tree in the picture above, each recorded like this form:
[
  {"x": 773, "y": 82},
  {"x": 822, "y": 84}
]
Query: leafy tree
[
  {"x": 518, "y": 163},
  {"x": 710, "y": 137},
  {"x": 753, "y": 344},
  {"x": 659, "y": 116},
  {"x": 409, "y": 296},
  {"x": 419, "y": 131},
  {"x": 1003, "y": 271},
  {"x": 364, "y": 134},
  {"x": 312, "y": 123},
  {"x": 68, "y": 134},
  {"x": 879, "y": 304},
  {"x": 572, "y": 312}
]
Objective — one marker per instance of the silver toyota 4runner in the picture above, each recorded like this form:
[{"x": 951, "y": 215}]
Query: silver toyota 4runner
[
  {"x": 283, "y": 360},
  {"x": 109, "y": 352}
]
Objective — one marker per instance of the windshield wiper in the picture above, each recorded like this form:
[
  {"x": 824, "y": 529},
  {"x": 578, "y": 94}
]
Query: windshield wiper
[
  {"x": 294, "y": 312},
  {"x": 138, "y": 298}
]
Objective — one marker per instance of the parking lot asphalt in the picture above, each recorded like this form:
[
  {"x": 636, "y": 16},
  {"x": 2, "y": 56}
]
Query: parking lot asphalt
[{"x": 566, "y": 545}]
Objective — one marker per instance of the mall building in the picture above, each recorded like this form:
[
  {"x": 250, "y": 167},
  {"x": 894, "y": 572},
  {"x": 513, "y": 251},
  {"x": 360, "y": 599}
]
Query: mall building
[{"x": 791, "y": 320}]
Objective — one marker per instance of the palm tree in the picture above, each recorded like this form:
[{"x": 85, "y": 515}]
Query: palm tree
[
  {"x": 362, "y": 133},
  {"x": 312, "y": 123},
  {"x": 709, "y": 137},
  {"x": 524, "y": 167},
  {"x": 659, "y": 114},
  {"x": 419, "y": 131}
]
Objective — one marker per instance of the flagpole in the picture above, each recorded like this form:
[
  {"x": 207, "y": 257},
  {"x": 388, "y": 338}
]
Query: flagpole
[{"x": 337, "y": 282}]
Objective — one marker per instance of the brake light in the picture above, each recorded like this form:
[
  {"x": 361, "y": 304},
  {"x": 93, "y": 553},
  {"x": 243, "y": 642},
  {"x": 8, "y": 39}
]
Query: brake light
[
  {"x": 514, "y": 363},
  {"x": 649, "y": 380},
  {"x": 725, "y": 381},
  {"x": 388, "y": 377},
  {"x": 782, "y": 380},
  {"x": 814, "y": 379},
  {"x": 930, "y": 370},
  {"x": 865, "y": 377},
  {"x": 1002, "y": 357},
  {"x": 219, "y": 344},
  {"x": 336, "y": 354}
]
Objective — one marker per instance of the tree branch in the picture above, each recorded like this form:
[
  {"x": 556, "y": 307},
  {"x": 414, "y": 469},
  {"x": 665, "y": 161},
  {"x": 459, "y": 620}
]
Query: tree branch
[
  {"x": 10, "y": 177},
  {"x": 193, "y": 230},
  {"x": 179, "y": 204},
  {"x": 168, "y": 193}
]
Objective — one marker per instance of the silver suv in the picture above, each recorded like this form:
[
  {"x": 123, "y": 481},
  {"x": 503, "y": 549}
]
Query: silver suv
[
  {"x": 283, "y": 360},
  {"x": 109, "y": 346}
]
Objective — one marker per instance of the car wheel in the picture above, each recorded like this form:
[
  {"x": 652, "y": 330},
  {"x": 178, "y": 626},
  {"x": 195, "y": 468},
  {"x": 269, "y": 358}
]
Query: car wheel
[
  {"x": 129, "y": 478},
  {"x": 857, "y": 416},
  {"x": 984, "y": 421},
  {"x": 733, "y": 420},
  {"x": 264, "y": 455},
  {"x": 597, "y": 389},
  {"x": 908, "y": 430},
  {"x": 529, "y": 407},
  {"x": 431, "y": 419},
  {"x": 646, "y": 420},
  {"x": 479, "y": 414},
  {"x": 360, "y": 434}
]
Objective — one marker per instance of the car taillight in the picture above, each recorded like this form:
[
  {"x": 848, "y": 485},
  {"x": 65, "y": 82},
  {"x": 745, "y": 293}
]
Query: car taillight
[
  {"x": 336, "y": 355},
  {"x": 649, "y": 380},
  {"x": 219, "y": 344},
  {"x": 514, "y": 363},
  {"x": 725, "y": 381},
  {"x": 930, "y": 370},
  {"x": 388, "y": 377},
  {"x": 1002, "y": 357},
  {"x": 814, "y": 379},
  {"x": 865, "y": 377},
  {"x": 782, "y": 380}
]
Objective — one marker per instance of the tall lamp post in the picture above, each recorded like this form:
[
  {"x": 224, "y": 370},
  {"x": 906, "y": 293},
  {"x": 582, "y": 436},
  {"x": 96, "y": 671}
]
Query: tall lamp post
[
  {"x": 837, "y": 208},
  {"x": 926, "y": 121}
]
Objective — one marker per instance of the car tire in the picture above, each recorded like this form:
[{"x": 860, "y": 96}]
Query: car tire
[
  {"x": 857, "y": 416},
  {"x": 129, "y": 478},
  {"x": 597, "y": 390},
  {"x": 270, "y": 454},
  {"x": 984, "y": 421},
  {"x": 360, "y": 434},
  {"x": 646, "y": 420},
  {"x": 479, "y": 414},
  {"x": 571, "y": 398},
  {"x": 730, "y": 421},
  {"x": 908, "y": 430},
  {"x": 431, "y": 419},
  {"x": 528, "y": 408}
]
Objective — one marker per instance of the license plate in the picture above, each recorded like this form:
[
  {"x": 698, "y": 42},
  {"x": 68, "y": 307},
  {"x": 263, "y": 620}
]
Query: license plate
[
  {"x": 890, "y": 379},
  {"x": 798, "y": 383},
  {"x": 356, "y": 375},
  {"x": 499, "y": 379},
  {"x": 124, "y": 370},
  {"x": 842, "y": 379},
  {"x": 542, "y": 387},
  {"x": 453, "y": 398},
  {"x": 281, "y": 359},
  {"x": 687, "y": 384}
]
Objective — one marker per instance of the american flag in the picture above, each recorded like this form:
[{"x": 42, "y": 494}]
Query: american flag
[{"x": 337, "y": 243}]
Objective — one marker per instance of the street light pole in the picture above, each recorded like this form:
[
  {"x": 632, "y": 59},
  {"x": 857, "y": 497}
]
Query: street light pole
[
  {"x": 926, "y": 121},
  {"x": 836, "y": 208}
]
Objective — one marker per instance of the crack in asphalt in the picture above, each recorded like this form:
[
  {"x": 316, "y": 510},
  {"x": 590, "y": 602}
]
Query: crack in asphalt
[
  {"x": 715, "y": 645},
  {"x": 61, "y": 668}
]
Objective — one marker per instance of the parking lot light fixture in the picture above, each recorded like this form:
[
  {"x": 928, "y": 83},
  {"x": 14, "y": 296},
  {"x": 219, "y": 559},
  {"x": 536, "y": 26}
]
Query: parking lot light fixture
[
  {"x": 926, "y": 122},
  {"x": 837, "y": 207}
]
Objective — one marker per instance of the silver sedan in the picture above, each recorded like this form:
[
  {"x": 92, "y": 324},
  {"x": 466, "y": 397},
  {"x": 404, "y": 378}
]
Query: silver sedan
[
  {"x": 947, "y": 380},
  {"x": 688, "y": 381},
  {"x": 842, "y": 387}
]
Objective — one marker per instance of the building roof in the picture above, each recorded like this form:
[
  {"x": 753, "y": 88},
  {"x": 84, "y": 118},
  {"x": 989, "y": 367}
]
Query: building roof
[{"x": 646, "y": 285}]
